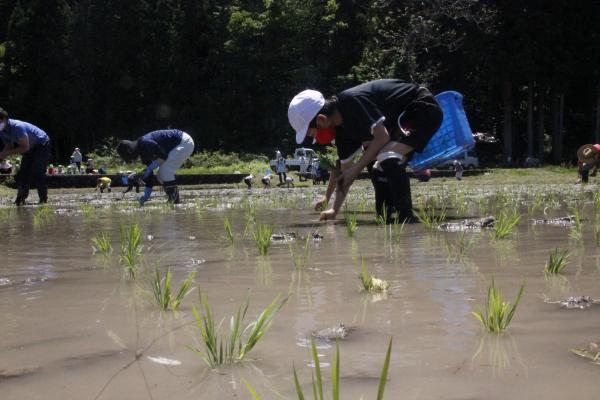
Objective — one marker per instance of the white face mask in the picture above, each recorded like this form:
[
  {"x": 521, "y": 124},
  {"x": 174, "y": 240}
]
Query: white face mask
[{"x": 2, "y": 125}]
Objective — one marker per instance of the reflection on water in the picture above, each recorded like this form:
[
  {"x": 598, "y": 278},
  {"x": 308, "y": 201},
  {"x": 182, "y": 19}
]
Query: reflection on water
[{"x": 501, "y": 352}]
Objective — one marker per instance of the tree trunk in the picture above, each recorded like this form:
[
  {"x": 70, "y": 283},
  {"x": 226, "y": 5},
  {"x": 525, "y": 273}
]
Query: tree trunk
[
  {"x": 597, "y": 132},
  {"x": 541, "y": 125},
  {"x": 530, "y": 119},
  {"x": 558, "y": 118},
  {"x": 508, "y": 120}
]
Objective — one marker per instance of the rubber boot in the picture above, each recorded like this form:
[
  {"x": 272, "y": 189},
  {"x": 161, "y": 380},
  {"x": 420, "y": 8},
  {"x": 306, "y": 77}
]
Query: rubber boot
[
  {"x": 43, "y": 194},
  {"x": 172, "y": 192},
  {"x": 22, "y": 194}
]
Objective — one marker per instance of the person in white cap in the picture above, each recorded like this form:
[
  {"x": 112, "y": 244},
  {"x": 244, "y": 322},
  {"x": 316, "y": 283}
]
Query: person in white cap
[{"x": 391, "y": 117}]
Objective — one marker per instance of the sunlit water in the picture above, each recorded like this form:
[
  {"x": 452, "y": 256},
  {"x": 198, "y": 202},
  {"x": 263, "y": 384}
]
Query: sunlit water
[{"x": 74, "y": 327}]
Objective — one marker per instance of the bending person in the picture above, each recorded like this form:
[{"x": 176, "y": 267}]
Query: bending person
[
  {"x": 166, "y": 150},
  {"x": 34, "y": 144},
  {"x": 391, "y": 117}
]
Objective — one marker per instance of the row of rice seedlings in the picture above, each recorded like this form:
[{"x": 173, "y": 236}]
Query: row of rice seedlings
[
  {"x": 300, "y": 256},
  {"x": 161, "y": 288},
  {"x": 317, "y": 377},
  {"x": 351, "y": 223},
  {"x": 101, "y": 243},
  {"x": 262, "y": 237},
  {"x": 229, "y": 236},
  {"x": 505, "y": 223},
  {"x": 461, "y": 246},
  {"x": 432, "y": 213},
  {"x": 131, "y": 249},
  {"x": 596, "y": 199},
  {"x": 576, "y": 232},
  {"x": 233, "y": 346},
  {"x": 495, "y": 314},
  {"x": 557, "y": 261},
  {"x": 368, "y": 282}
]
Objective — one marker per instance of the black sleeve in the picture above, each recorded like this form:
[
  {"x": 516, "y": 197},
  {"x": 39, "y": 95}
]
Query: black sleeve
[
  {"x": 149, "y": 151},
  {"x": 359, "y": 114}
]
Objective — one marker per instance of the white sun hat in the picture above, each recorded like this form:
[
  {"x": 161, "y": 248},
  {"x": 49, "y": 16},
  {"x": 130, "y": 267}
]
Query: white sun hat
[{"x": 303, "y": 108}]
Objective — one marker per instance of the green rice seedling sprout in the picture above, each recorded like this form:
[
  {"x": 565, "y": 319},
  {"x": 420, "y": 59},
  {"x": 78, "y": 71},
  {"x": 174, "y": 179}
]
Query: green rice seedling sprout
[
  {"x": 6, "y": 212},
  {"x": 317, "y": 377},
  {"x": 462, "y": 245},
  {"x": 368, "y": 282},
  {"x": 383, "y": 218},
  {"x": 576, "y": 232},
  {"x": 161, "y": 288},
  {"x": 229, "y": 236},
  {"x": 557, "y": 261},
  {"x": 131, "y": 249},
  {"x": 597, "y": 234},
  {"x": 396, "y": 229},
  {"x": 86, "y": 209},
  {"x": 505, "y": 223},
  {"x": 262, "y": 237},
  {"x": 101, "y": 243},
  {"x": 42, "y": 214},
  {"x": 433, "y": 217},
  {"x": 496, "y": 314},
  {"x": 351, "y": 223},
  {"x": 235, "y": 345},
  {"x": 300, "y": 256}
]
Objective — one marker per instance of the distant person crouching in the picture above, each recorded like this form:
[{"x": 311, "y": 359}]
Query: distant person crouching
[
  {"x": 166, "y": 150},
  {"x": 104, "y": 183}
]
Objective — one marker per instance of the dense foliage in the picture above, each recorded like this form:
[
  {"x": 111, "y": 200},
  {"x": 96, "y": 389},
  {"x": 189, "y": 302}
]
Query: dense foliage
[{"x": 224, "y": 71}]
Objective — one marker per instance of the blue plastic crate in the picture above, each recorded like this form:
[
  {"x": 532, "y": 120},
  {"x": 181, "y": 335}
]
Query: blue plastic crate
[{"x": 452, "y": 138}]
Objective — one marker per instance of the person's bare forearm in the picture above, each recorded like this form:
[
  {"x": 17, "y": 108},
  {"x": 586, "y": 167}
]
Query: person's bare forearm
[
  {"x": 331, "y": 185},
  {"x": 380, "y": 139}
]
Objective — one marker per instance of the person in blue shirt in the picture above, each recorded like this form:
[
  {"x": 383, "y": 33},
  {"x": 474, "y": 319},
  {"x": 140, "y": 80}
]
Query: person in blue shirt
[
  {"x": 166, "y": 150},
  {"x": 34, "y": 144}
]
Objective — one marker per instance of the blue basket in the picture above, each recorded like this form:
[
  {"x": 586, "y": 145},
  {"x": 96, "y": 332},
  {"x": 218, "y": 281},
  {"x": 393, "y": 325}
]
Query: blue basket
[{"x": 453, "y": 137}]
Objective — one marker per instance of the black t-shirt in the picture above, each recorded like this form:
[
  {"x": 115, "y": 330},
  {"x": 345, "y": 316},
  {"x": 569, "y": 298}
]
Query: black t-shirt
[
  {"x": 158, "y": 144},
  {"x": 365, "y": 105},
  {"x": 345, "y": 145}
]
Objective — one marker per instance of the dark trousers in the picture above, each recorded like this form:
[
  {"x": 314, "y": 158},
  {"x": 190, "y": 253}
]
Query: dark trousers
[
  {"x": 282, "y": 177},
  {"x": 33, "y": 173},
  {"x": 398, "y": 188}
]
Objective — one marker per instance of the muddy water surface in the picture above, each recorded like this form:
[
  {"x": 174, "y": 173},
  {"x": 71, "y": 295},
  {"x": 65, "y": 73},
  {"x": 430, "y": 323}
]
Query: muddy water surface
[{"x": 72, "y": 327}]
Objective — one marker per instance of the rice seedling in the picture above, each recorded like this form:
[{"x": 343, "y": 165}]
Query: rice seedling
[
  {"x": 557, "y": 261},
  {"x": 131, "y": 249},
  {"x": 597, "y": 234},
  {"x": 368, "y": 282},
  {"x": 317, "y": 377},
  {"x": 101, "y": 243},
  {"x": 300, "y": 256},
  {"x": 6, "y": 212},
  {"x": 383, "y": 218},
  {"x": 42, "y": 214},
  {"x": 432, "y": 214},
  {"x": 229, "y": 236},
  {"x": 461, "y": 246},
  {"x": 351, "y": 223},
  {"x": 395, "y": 230},
  {"x": 505, "y": 223},
  {"x": 87, "y": 210},
  {"x": 496, "y": 314},
  {"x": 262, "y": 237},
  {"x": 576, "y": 232},
  {"x": 161, "y": 288},
  {"x": 235, "y": 345}
]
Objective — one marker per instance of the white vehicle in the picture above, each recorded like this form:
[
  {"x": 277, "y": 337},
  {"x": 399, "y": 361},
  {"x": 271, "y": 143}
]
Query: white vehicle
[
  {"x": 301, "y": 154},
  {"x": 468, "y": 159}
]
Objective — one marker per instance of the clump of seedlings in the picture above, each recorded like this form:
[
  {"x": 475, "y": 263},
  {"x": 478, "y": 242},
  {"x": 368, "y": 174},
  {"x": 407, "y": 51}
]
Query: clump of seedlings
[
  {"x": 432, "y": 214},
  {"x": 235, "y": 345},
  {"x": 317, "y": 377},
  {"x": 495, "y": 314},
  {"x": 395, "y": 230},
  {"x": 101, "y": 244},
  {"x": 461, "y": 246},
  {"x": 597, "y": 234},
  {"x": 262, "y": 237},
  {"x": 42, "y": 214},
  {"x": 557, "y": 261},
  {"x": 300, "y": 256},
  {"x": 351, "y": 223},
  {"x": 161, "y": 288},
  {"x": 576, "y": 232},
  {"x": 86, "y": 209},
  {"x": 131, "y": 249},
  {"x": 505, "y": 223},
  {"x": 229, "y": 236},
  {"x": 369, "y": 283}
]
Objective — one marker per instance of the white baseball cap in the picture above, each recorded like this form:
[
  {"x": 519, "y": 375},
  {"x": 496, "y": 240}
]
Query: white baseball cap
[{"x": 303, "y": 108}]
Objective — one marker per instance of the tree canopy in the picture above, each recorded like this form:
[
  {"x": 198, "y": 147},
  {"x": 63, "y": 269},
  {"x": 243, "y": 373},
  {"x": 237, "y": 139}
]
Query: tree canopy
[{"x": 225, "y": 71}]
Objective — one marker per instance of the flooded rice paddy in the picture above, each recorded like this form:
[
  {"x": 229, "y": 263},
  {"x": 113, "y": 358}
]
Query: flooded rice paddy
[{"x": 74, "y": 326}]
